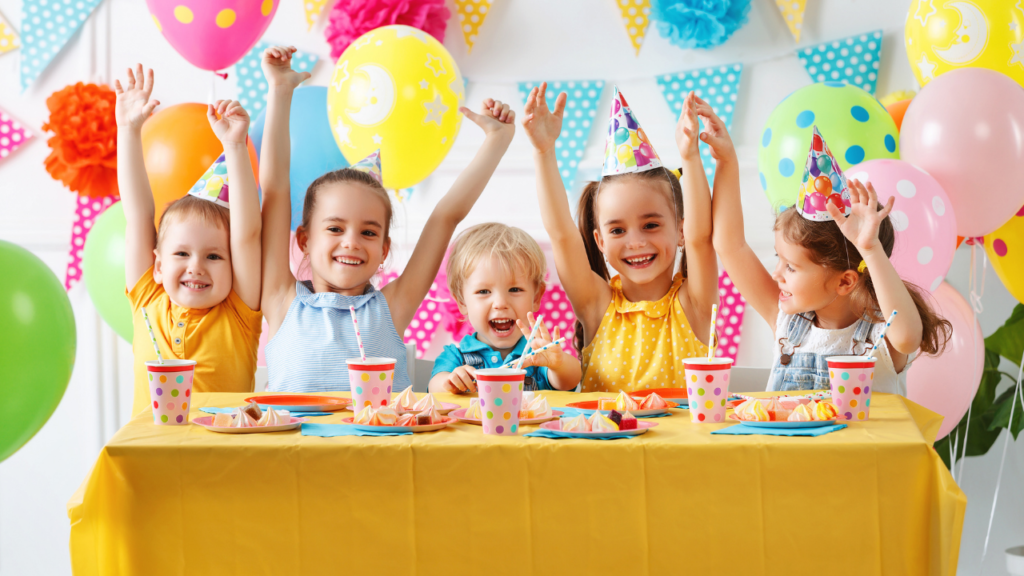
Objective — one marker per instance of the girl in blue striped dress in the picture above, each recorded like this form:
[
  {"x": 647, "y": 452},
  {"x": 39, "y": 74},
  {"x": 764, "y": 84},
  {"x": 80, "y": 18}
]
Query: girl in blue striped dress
[{"x": 344, "y": 238}]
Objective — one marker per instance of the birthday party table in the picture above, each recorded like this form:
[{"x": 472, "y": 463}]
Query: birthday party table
[{"x": 874, "y": 498}]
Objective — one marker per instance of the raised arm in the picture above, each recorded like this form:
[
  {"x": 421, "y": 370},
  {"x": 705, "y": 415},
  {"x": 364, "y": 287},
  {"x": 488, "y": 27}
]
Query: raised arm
[
  {"x": 745, "y": 270},
  {"x": 275, "y": 163},
  {"x": 588, "y": 292},
  {"x": 232, "y": 128},
  {"x": 701, "y": 262},
  {"x": 405, "y": 294},
  {"x": 132, "y": 109}
]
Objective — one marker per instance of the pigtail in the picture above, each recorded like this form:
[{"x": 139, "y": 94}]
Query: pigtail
[{"x": 586, "y": 221}]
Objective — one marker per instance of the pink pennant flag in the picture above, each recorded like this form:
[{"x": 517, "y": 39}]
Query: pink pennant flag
[
  {"x": 86, "y": 212},
  {"x": 12, "y": 134},
  {"x": 730, "y": 317}
]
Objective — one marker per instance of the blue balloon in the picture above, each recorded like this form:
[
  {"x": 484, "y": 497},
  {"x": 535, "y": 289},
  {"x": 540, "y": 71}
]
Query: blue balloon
[{"x": 836, "y": 182}]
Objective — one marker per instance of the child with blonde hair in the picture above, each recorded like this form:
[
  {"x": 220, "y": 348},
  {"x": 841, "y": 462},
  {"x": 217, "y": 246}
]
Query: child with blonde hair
[
  {"x": 198, "y": 276},
  {"x": 496, "y": 276}
]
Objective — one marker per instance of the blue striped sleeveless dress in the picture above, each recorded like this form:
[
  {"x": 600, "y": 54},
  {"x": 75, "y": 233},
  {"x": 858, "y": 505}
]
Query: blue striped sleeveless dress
[{"x": 308, "y": 352}]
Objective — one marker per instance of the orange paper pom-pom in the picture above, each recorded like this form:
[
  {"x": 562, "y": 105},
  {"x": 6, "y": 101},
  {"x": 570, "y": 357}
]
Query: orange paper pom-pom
[{"x": 84, "y": 144}]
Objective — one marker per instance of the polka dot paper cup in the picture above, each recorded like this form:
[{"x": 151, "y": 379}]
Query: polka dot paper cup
[
  {"x": 370, "y": 381},
  {"x": 851, "y": 377},
  {"x": 707, "y": 388},
  {"x": 170, "y": 390},
  {"x": 501, "y": 393}
]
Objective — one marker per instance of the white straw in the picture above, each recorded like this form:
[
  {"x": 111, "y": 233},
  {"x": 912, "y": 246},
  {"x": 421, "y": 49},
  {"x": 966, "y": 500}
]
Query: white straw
[
  {"x": 152, "y": 336},
  {"x": 712, "y": 342},
  {"x": 881, "y": 336},
  {"x": 535, "y": 352},
  {"x": 359, "y": 338},
  {"x": 529, "y": 340}
]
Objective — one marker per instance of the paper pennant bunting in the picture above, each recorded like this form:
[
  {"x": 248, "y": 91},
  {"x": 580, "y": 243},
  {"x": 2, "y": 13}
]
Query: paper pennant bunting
[
  {"x": 87, "y": 210},
  {"x": 853, "y": 60},
  {"x": 635, "y": 17},
  {"x": 718, "y": 86},
  {"x": 12, "y": 135},
  {"x": 583, "y": 96},
  {"x": 252, "y": 84},
  {"x": 313, "y": 9},
  {"x": 793, "y": 13},
  {"x": 730, "y": 318},
  {"x": 46, "y": 26},
  {"x": 472, "y": 14},
  {"x": 8, "y": 36}
]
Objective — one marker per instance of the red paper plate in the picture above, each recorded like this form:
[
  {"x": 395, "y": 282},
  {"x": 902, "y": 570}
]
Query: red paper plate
[
  {"x": 592, "y": 405},
  {"x": 307, "y": 402}
]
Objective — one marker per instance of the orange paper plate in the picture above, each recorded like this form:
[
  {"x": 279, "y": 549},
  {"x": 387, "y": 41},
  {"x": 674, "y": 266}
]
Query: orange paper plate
[
  {"x": 592, "y": 405},
  {"x": 666, "y": 393},
  {"x": 307, "y": 402}
]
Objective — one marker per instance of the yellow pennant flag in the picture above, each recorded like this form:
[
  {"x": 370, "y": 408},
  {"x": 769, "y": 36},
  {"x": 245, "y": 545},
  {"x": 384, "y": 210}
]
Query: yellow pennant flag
[
  {"x": 8, "y": 37},
  {"x": 313, "y": 10},
  {"x": 635, "y": 16},
  {"x": 793, "y": 12},
  {"x": 471, "y": 16}
]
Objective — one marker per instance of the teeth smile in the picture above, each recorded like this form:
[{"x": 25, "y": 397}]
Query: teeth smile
[
  {"x": 194, "y": 285},
  {"x": 351, "y": 261},
  {"x": 640, "y": 259},
  {"x": 502, "y": 324}
]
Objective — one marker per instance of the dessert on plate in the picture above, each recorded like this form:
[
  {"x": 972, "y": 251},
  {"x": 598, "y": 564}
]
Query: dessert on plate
[
  {"x": 386, "y": 416},
  {"x": 426, "y": 402},
  {"x": 534, "y": 406},
  {"x": 404, "y": 401},
  {"x": 242, "y": 418},
  {"x": 653, "y": 402}
]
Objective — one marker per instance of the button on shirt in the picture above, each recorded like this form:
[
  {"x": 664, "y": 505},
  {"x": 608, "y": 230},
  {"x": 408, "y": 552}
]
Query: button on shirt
[{"x": 473, "y": 352}]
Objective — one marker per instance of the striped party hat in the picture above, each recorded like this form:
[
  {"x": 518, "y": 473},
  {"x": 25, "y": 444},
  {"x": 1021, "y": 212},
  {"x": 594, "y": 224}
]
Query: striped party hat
[{"x": 371, "y": 165}]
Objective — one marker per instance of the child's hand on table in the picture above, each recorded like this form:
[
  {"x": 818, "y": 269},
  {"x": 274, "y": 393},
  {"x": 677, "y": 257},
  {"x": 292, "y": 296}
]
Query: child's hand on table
[{"x": 461, "y": 380}]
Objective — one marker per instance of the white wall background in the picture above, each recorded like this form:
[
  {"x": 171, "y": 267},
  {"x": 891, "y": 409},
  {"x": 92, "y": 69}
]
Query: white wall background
[{"x": 522, "y": 40}]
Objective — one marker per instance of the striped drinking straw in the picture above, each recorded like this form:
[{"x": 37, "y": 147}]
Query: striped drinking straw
[
  {"x": 534, "y": 352},
  {"x": 529, "y": 341},
  {"x": 712, "y": 337},
  {"x": 152, "y": 336},
  {"x": 359, "y": 338},
  {"x": 881, "y": 336}
]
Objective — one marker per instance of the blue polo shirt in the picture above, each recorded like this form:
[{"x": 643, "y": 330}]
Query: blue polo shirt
[{"x": 472, "y": 352}]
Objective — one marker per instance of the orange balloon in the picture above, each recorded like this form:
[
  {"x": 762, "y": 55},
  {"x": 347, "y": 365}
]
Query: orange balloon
[
  {"x": 897, "y": 110},
  {"x": 178, "y": 146},
  {"x": 823, "y": 185}
]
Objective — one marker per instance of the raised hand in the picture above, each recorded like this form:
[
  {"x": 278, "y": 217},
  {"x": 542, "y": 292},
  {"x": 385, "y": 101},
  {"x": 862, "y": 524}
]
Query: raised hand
[
  {"x": 688, "y": 129},
  {"x": 715, "y": 134},
  {"x": 133, "y": 105},
  {"x": 494, "y": 117},
  {"x": 230, "y": 122},
  {"x": 543, "y": 125},
  {"x": 861, "y": 226},
  {"x": 552, "y": 357},
  {"x": 277, "y": 67}
]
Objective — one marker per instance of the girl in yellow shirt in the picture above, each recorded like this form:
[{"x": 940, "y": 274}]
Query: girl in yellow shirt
[{"x": 634, "y": 330}]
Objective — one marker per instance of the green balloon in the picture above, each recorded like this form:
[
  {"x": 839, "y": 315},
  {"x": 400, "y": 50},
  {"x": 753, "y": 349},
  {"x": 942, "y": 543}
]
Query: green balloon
[
  {"x": 103, "y": 270},
  {"x": 825, "y": 165},
  {"x": 855, "y": 127},
  {"x": 37, "y": 345}
]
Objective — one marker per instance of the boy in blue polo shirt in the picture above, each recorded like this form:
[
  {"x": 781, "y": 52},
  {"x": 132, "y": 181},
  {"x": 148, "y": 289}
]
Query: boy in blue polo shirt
[{"x": 496, "y": 275}]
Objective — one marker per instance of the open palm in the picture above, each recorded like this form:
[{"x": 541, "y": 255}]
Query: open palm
[
  {"x": 543, "y": 125},
  {"x": 133, "y": 105},
  {"x": 861, "y": 226},
  {"x": 232, "y": 125}
]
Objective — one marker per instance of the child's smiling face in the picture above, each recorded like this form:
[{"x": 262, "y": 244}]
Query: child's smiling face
[
  {"x": 345, "y": 241},
  {"x": 637, "y": 228},
  {"x": 193, "y": 263},
  {"x": 493, "y": 298},
  {"x": 803, "y": 285}
]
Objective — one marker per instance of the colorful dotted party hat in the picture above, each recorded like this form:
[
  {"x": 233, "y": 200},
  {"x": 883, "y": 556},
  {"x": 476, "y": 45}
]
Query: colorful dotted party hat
[
  {"x": 213, "y": 185},
  {"x": 371, "y": 165},
  {"x": 823, "y": 182},
  {"x": 627, "y": 148}
]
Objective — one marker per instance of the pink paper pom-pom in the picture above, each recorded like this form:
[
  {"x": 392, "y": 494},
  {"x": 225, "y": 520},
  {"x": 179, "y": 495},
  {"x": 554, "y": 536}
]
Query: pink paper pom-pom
[{"x": 350, "y": 19}]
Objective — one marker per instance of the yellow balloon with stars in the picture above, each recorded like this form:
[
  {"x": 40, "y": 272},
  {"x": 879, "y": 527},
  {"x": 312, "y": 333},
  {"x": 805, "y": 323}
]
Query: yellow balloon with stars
[
  {"x": 944, "y": 35},
  {"x": 396, "y": 89}
]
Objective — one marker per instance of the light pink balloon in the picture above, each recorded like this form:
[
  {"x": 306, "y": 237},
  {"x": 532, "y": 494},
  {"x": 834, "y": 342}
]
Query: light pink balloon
[
  {"x": 212, "y": 34},
  {"x": 922, "y": 216},
  {"x": 947, "y": 383},
  {"x": 966, "y": 129}
]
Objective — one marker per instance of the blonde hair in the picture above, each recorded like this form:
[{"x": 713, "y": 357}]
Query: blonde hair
[
  {"x": 513, "y": 248},
  {"x": 187, "y": 207}
]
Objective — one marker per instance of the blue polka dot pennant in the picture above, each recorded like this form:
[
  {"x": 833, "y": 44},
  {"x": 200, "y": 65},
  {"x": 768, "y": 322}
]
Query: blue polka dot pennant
[
  {"x": 581, "y": 103},
  {"x": 853, "y": 60},
  {"x": 252, "y": 84},
  {"x": 46, "y": 26},
  {"x": 718, "y": 86}
]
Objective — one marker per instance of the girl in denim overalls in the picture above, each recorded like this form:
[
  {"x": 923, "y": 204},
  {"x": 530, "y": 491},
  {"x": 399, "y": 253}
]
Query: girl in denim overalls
[{"x": 833, "y": 285}]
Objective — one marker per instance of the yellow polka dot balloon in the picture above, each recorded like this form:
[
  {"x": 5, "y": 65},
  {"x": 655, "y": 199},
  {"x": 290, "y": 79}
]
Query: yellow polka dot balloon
[
  {"x": 212, "y": 34},
  {"x": 396, "y": 89},
  {"x": 1005, "y": 248},
  {"x": 944, "y": 35}
]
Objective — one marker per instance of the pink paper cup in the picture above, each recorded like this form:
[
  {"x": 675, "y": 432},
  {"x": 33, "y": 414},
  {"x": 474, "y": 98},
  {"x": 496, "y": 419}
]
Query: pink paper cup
[
  {"x": 707, "y": 388},
  {"x": 851, "y": 378},
  {"x": 371, "y": 381},
  {"x": 501, "y": 393},
  {"x": 170, "y": 390}
]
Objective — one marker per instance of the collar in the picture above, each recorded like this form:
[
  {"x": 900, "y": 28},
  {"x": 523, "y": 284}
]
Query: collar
[
  {"x": 652, "y": 309},
  {"x": 304, "y": 292},
  {"x": 470, "y": 343}
]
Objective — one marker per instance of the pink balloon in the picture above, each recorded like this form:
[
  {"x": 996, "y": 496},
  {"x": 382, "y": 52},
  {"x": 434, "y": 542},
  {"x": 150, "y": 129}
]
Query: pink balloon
[
  {"x": 947, "y": 383},
  {"x": 922, "y": 216},
  {"x": 964, "y": 129},
  {"x": 212, "y": 34}
]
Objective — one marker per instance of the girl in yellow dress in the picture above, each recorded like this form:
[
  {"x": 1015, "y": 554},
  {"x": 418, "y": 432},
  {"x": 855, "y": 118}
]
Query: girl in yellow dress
[{"x": 634, "y": 330}]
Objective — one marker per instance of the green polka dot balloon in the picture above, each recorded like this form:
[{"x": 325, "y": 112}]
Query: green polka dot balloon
[{"x": 856, "y": 126}]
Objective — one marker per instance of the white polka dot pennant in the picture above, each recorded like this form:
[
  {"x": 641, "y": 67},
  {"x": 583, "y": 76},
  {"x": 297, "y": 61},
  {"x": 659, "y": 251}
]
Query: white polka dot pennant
[
  {"x": 252, "y": 84},
  {"x": 577, "y": 123},
  {"x": 12, "y": 134},
  {"x": 8, "y": 36},
  {"x": 718, "y": 86},
  {"x": 853, "y": 60},
  {"x": 729, "y": 323},
  {"x": 46, "y": 26},
  {"x": 87, "y": 210},
  {"x": 472, "y": 14},
  {"x": 313, "y": 8}
]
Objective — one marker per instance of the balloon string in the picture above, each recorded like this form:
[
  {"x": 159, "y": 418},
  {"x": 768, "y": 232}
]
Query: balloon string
[{"x": 973, "y": 279}]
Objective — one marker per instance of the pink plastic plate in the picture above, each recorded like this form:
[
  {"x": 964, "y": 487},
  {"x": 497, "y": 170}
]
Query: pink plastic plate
[
  {"x": 207, "y": 422},
  {"x": 642, "y": 426},
  {"x": 785, "y": 424},
  {"x": 460, "y": 415},
  {"x": 428, "y": 428},
  {"x": 446, "y": 407}
]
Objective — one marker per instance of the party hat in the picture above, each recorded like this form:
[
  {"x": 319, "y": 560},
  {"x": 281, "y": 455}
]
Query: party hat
[
  {"x": 823, "y": 182},
  {"x": 213, "y": 185},
  {"x": 370, "y": 165},
  {"x": 627, "y": 148}
]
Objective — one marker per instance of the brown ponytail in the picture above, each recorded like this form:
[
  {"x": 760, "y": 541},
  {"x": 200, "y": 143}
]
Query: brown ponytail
[
  {"x": 829, "y": 248},
  {"x": 586, "y": 221}
]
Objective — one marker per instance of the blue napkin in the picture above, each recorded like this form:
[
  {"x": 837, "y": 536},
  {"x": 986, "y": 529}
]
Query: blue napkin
[
  {"x": 542, "y": 433},
  {"x": 744, "y": 429},
  {"x": 296, "y": 414},
  {"x": 572, "y": 412},
  {"x": 330, "y": 430}
]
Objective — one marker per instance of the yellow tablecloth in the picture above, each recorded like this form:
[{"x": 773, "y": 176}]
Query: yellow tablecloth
[{"x": 872, "y": 499}]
